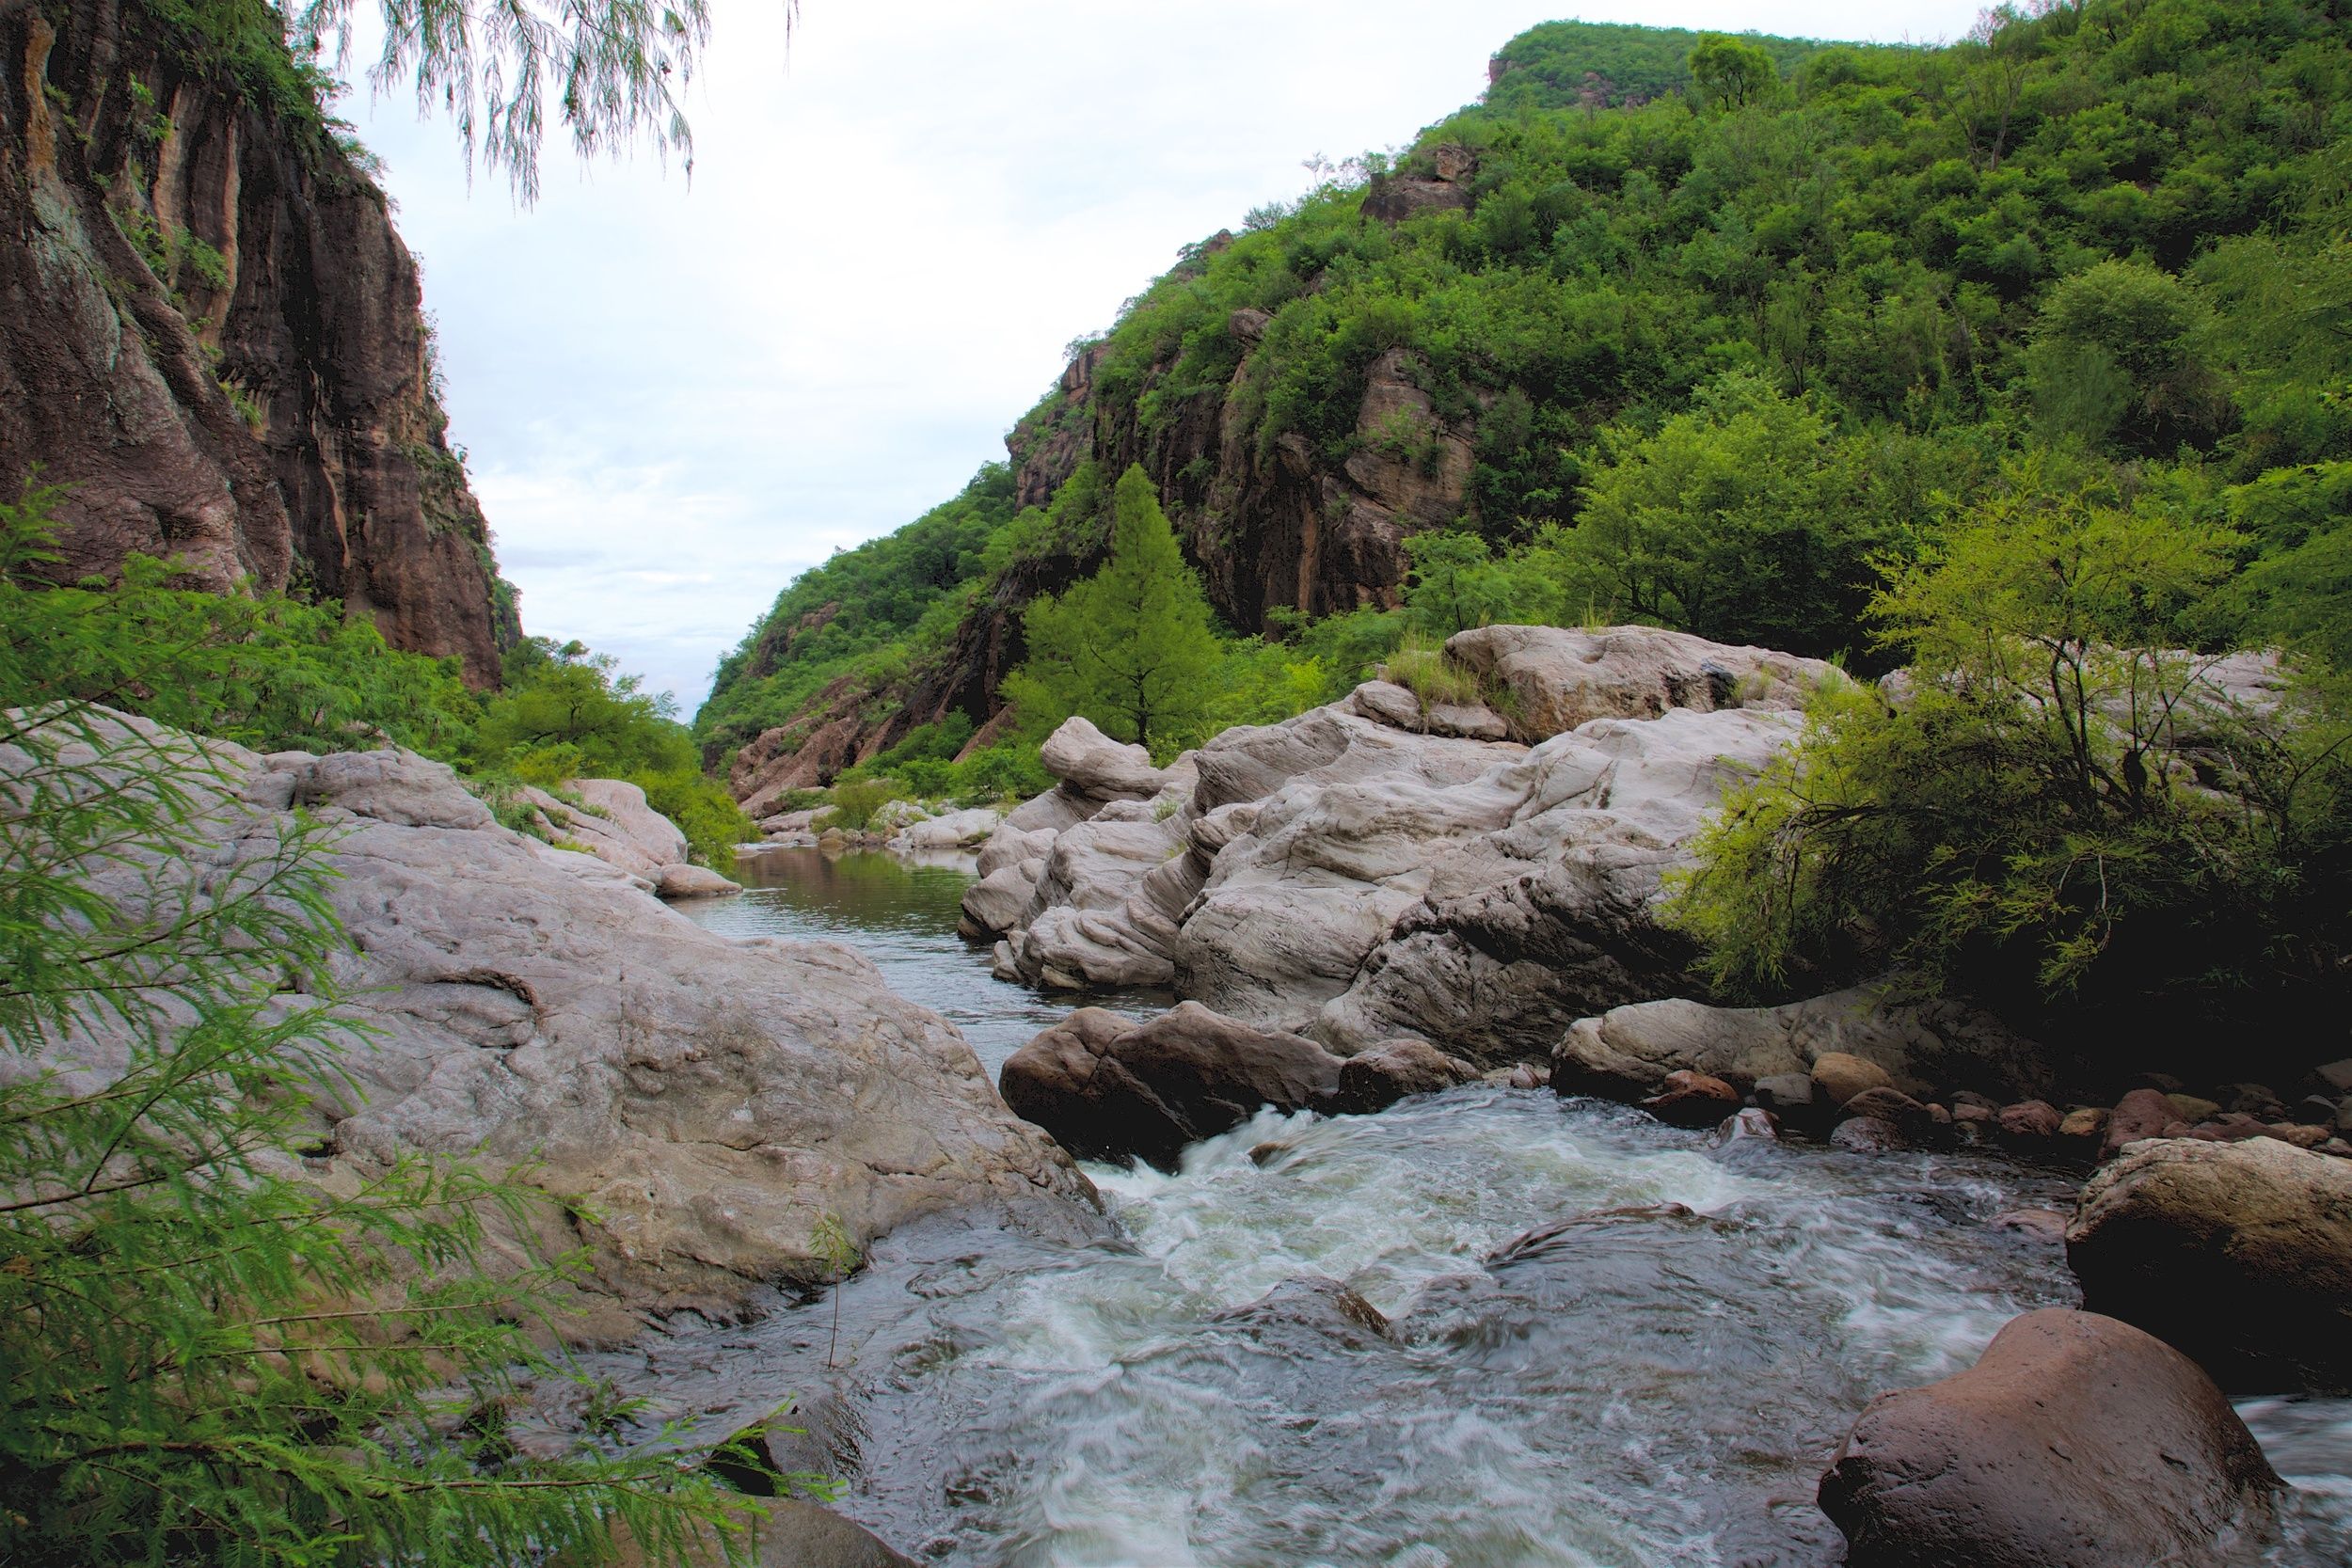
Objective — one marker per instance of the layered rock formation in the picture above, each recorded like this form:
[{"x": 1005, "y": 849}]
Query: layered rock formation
[
  {"x": 702, "y": 1105},
  {"x": 210, "y": 333},
  {"x": 1349, "y": 876},
  {"x": 1630, "y": 1050},
  {"x": 610, "y": 819}
]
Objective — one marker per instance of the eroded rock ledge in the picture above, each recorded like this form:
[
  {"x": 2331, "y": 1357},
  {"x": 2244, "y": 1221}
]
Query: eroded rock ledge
[{"x": 1375, "y": 869}]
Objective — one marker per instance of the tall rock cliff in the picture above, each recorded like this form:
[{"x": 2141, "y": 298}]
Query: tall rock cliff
[{"x": 210, "y": 333}]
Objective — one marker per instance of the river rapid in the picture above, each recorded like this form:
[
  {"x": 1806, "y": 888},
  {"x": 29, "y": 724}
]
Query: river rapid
[{"x": 1658, "y": 1383}]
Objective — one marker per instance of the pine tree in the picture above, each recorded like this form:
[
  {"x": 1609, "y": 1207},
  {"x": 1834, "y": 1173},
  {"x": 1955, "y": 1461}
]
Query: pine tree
[{"x": 1130, "y": 648}]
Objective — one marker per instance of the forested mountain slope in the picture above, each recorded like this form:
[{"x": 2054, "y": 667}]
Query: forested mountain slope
[
  {"x": 1684, "y": 330},
  {"x": 210, "y": 333}
]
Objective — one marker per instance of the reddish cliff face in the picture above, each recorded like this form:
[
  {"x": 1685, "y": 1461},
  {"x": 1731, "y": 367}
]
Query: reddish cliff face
[{"x": 210, "y": 334}]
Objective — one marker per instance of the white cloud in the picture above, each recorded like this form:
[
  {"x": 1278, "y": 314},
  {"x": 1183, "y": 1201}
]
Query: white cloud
[{"x": 677, "y": 395}]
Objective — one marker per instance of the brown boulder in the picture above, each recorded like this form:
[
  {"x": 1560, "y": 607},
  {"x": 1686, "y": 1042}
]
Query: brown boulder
[
  {"x": 2141, "y": 1114},
  {"x": 2230, "y": 1127},
  {"x": 1840, "y": 1075},
  {"x": 2030, "y": 1122},
  {"x": 1381, "y": 1075},
  {"x": 2238, "y": 1253},
  {"x": 1866, "y": 1135},
  {"x": 1692, "y": 1100},
  {"x": 1748, "y": 1126},
  {"x": 2075, "y": 1441},
  {"x": 2084, "y": 1124},
  {"x": 1108, "y": 1088},
  {"x": 1887, "y": 1105},
  {"x": 2190, "y": 1109}
]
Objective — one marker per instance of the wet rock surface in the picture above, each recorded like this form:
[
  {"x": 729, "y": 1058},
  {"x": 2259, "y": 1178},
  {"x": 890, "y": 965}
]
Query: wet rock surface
[
  {"x": 2239, "y": 1253},
  {"x": 2075, "y": 1441},
  {"x": 1108, "y": 1088}
]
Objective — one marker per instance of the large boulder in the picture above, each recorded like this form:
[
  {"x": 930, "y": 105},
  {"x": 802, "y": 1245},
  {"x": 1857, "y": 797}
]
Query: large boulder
[
  {"x": 1520, "y": 929},
  {"x": 1374, "y": 869},
  {"x": 702, "y": 1105},
  {"x": 2075, "y": 1441},
  {"x": 1846, "y": 1041},
  {"x": 2240, "y": 1254},
  {"x": 1560, "y": 677},
  {"x": 1089, "y": 763},
  {"x": 1381, "y": 1075},
  {"x": 1109, "y": 1089},
  {"x": 609, "y": 818},
  {"x": 955, "y": 829},
  {"x": 1086, "y": 883}
]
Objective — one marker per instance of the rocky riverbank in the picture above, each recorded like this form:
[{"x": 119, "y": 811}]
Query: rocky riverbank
[
  {"x": 701, "y": 1109},
  {"x": 1383, "y": 897}
]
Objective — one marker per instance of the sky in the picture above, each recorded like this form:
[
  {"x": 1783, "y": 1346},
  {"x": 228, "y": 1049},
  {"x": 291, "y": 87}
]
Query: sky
[{"x": 676, "y": 393}]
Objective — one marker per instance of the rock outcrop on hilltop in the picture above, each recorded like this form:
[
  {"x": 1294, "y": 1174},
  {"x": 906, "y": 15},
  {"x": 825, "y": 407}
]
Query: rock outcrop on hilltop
[
  {"x": 1352, "y": 876},
  {"x": 210, "y": 333},
  {"x": 702, "y": 1105}
]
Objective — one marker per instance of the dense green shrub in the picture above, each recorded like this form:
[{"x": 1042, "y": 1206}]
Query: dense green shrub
[
  {"x": 855, "y": 802},
  {"x": 274, "y": 674},
  {"x": 2057, "y": 814}
]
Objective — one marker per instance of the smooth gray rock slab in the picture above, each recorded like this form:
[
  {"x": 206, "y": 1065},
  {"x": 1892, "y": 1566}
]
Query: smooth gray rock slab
[{"x": 704, "y": 1104}]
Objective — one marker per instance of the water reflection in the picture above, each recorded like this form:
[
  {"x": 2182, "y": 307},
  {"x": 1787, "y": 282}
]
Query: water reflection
[{"x": 903, "y": 915}]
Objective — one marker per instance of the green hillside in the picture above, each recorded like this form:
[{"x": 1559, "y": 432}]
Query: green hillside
[{"x": 1720, "y": 352}]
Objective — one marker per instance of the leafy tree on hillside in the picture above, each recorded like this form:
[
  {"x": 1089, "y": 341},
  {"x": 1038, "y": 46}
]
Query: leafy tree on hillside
[
  {"x": 1456, "y": 583},
  {"x": 1731, "y": 73},
  {"x": 1130, "y": 648},
  {"x": 1740, "y": 520},
  {"x": 564, "y": 713},
  {"x": 2057, "y": 809},
  {"x": 2116, "y": 358}
]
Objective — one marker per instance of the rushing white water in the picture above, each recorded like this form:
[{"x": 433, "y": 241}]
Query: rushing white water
[{"x": 1659, "y": 1385}]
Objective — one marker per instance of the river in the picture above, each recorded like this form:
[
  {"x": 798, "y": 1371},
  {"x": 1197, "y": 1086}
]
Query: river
[{"x": 1655, "y": 1387}]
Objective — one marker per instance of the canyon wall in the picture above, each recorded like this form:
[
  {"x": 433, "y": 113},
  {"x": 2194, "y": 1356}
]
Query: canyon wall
[{"x": 210, "y": 336}]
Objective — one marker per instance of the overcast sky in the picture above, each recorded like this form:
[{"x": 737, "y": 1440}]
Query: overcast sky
[{"x": 676, "y": 395}]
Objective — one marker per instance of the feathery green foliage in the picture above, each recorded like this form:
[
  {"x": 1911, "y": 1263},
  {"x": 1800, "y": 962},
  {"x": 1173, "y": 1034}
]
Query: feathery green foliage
[
  {"x": 205, "y": 1358},
  {"x": 1131, "y": 647},
  {"x": 2063, "y": 808}
]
